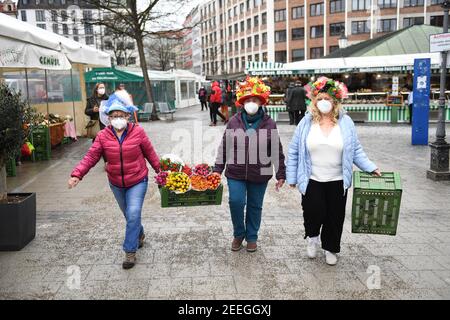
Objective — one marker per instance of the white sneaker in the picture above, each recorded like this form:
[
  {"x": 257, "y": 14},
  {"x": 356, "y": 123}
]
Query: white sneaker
[
  {"x": 311, "y": 249},
  {"x": 330, "y": 258}
]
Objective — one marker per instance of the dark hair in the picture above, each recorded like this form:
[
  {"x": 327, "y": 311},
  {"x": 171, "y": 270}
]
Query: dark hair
[
  {"x": 120, "y": 85},
  {"x": 94, "y": 93}
]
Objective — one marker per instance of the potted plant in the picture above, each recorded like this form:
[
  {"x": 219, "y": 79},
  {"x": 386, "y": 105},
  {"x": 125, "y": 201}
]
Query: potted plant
[{"x": 17, "y": 210}]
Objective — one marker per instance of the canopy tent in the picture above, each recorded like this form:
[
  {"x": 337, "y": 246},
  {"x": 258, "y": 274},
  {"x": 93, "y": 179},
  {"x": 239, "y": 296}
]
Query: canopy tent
[
  {"x": 13, "y": 31},
  {"x": 111, "y": 75}
]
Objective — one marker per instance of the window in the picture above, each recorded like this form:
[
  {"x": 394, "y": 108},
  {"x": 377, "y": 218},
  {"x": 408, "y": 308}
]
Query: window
[
  {"x": 333, "y": 48},
  {"x": 235, "y": 10},
  {"x": 88, "y": 29},
  {"x": 230, "y": 14},
  {"x": 236, "y": 63},
  {"x": 281, "y": 56},
  {"x": 236, "y": 28},
  {"x": 264, "y": 38},
  {"x": 337, "y": 6},
  {"x": 358, "y": 5},
  {"x": 298, "y": 55},
  {"x": 256, "y": 21},
  {"x": 243, "y": 63},
  {"x": 337, "y": 28},
  {"x": 265, "y": 56},
  {"x": 264, "y": 18},
  {"x": 280, "y": 36},
  {"x": 257, "y": 57},
  {"x": 63, "y": 1},
  {"x": 387, "y": 25},
  {"x": 242, "y": 44},
  {"x": 55, "y": 28},
  {"x": 87, "y": 15},
  {"x": 236, "y": 45},
  {"x": 231, "y": 64},
  {"x": 256, "y": 40},
  {"x": 359, "y": 27},
  {"x": 298, "y": 33},
  {"x": 54, "y": 15},
  {"x": 412, "y": 21},
  {"x": 248, "y": 5},
  {"x": 242, "y": 26},
  {"x": 241, "y": 8},
  {"x": 249, "y": 58},
  {"x": 387, "y": 4},
  {"x": 41, "y": 25},
  {"x": 280, "y": 15},
  {"x": 298, "y": 12},
  {"x": 316, "y": 53},
  {"x": 38, "y": 1},
  {"x": 316, "y": 9},
  {"x": 40, "y": 15},
  {"x": 412, "y": 3},
  {"x": 65, "y": 29},
  {"x": 25, "y": 1},
  {"x": 256, "y": 3},
  {"x": 89, "y": 40},
  {"x": 64, "y": 15},
  {"x": 249, "y": 23},
  {"x": 249, "y": 42},
  {"x": 433, "y": 2},
  {"x": 230, "y": 30},
  {"x": 437, "y": 21},
  {"x": 317, "y": 32},
  {"x": 23, "y": 15},
  {"x": 221, "y": 34}
]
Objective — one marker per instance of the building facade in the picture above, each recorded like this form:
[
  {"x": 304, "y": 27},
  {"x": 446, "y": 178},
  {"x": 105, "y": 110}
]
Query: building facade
[
  {"x": 68, "y": 17},
  {"x": 234, "y": 32},
  {"x": 8, "y": 7},
  {"x": 192, "y": 46}
]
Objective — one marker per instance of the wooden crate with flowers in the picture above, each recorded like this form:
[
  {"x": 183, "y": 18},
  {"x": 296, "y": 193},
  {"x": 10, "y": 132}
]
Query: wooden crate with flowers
[{"x": 183, "y": 186}]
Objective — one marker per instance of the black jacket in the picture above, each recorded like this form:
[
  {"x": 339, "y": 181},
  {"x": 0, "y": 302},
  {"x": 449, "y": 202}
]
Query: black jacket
[
  {"x": 94, "y": 102},
  {"x": 296, "y": 99}
]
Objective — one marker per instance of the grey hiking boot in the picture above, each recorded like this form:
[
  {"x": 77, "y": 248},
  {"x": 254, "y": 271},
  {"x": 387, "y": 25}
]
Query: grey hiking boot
[{"x": 130, "y": 260}]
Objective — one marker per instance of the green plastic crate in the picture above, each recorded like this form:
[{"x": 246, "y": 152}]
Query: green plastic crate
[
  {"x": 191, "y": 198},
  {"x": 11, "y": 168},
  {"x": 376, "y": 203},
  {"x": 40, "y": 139}
]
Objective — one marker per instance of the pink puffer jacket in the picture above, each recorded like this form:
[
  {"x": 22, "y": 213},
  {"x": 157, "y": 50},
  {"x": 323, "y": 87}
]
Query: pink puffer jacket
[{"x": 126, "y": 163}]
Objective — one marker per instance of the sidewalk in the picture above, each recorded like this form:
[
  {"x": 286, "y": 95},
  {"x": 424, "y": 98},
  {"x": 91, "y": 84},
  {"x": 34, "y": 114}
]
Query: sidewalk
[{"x": 187, "y": 253}]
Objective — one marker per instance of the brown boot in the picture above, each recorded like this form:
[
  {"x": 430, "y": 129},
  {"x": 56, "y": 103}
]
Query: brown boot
[
  {"x": 130, "y": 260},
  {"x": 141, "y": 240},
  {"x": 251, "y": 246},
  {"x": 236, "y": 245}
]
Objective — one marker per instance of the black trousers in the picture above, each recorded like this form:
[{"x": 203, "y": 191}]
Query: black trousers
[
  {"x": 324, "y": 208},
  {"x": 296, "y": 116},
  {"x": 410, "y": 106},
  {"x": 204, "y": 104},
  {"x": 215, "y": 112}
]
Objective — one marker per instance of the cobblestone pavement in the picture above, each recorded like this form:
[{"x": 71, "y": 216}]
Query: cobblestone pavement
[{"x": 187, "y": 253}]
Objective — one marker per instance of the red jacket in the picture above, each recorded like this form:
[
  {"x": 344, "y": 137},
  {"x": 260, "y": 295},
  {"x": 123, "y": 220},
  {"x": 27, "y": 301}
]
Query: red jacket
[
  {"x": 126, "y": 164},
  {"x": 216, "y": 93}
]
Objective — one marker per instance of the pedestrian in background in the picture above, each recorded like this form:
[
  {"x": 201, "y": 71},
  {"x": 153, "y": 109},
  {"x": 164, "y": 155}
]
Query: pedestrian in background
[
  {"x": 202, "y": 96},
  {"x": 126, "y": 146},
  {"x": 296, "y": 102},
  {"x": 216, "y": 102},
  {"x": 93, "y": 104},
  {"x": 410, "y": 105},
  {"x": 320, "y": 163}
]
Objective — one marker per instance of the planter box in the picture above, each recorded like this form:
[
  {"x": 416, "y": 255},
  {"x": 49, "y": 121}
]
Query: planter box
[{"x": 17, "y": 222}]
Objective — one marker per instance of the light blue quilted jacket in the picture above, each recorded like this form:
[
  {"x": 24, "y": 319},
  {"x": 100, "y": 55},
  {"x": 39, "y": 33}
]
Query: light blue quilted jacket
[{"x": 298, "y": 163}]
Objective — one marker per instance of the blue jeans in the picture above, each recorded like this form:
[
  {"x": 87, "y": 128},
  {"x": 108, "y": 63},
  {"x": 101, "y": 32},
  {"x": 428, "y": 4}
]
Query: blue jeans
[
  {"x": 130, "y": 201},
  {"x": 244, "y": 193}
]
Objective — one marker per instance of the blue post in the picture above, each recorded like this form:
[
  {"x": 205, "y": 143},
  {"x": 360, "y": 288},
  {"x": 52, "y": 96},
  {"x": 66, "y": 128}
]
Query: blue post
[{"x": 421, "y": 101}]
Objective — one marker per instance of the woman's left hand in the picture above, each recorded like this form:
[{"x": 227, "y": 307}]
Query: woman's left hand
[
  {"x": 377, "y": 172},
  {"x": 279, "y": 184}
]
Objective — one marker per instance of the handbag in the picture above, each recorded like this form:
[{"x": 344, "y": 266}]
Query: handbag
[{"x": 93, "y": 127}]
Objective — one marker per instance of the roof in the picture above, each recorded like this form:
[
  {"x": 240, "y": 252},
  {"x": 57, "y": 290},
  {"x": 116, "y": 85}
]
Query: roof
[
  {"x": 111, "y": 75},
  {"x": 410, "y": 40},
  {"x": 11, "y": 28}
]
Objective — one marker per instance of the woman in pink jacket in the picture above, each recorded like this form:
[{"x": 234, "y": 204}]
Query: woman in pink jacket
[{"x": 126, "y": 147}]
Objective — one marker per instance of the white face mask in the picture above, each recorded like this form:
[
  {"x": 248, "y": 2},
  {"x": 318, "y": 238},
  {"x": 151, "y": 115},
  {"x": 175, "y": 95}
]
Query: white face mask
[
  {"x": 119, "y": 123},
  {"x": 101, "y": 91},
  {"x": 324, "y": 106},
  {"x": 251, "y": 107}
]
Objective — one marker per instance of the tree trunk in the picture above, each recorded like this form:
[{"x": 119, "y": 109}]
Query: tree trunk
[
  {"x": 148, "y": 86},
  {"x": 3, "y": 192}
]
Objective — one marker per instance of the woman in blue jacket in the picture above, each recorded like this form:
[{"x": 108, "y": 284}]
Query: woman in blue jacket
[{"x": 320, "y": 160}]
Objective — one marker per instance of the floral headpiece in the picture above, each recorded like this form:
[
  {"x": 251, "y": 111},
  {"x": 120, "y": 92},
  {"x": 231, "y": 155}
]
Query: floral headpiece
[
  {"x": 338, "y": 90},
  {"x": 252, "y": 87}
]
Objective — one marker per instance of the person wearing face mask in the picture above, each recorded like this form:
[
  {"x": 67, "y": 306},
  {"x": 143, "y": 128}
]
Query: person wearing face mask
[
  {"x": 250, "y": 150},
  {"x": 127, "y": 148},
  {"x": 93, "y": 103},
  {"x": 320, "y": 163}
]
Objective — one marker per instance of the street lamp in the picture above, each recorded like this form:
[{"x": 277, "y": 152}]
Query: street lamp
[
  {"x": 439, "y": 169},
  {"x": 343, "y": 41}
]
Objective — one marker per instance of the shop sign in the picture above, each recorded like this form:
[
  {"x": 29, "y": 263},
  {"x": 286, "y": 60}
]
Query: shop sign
[
  {"x": 440, "y": 42},
  {"x": 421, "y": 101},
  {"x": 49, "y": 61},
  {"x": 271, "y": 72}
]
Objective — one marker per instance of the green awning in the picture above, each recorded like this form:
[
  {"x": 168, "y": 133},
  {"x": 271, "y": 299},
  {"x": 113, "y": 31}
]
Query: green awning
[{"x": 110, "y": 75}]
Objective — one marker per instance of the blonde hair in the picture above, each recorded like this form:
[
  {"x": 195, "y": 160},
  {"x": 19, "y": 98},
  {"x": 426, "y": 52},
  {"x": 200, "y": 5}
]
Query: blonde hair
[{"x": 315, "y": 112}]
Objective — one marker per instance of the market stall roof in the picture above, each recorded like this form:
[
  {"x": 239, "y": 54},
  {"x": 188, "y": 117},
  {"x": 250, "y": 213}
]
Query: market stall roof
[
  {"x": 165, "y": 75},
  {"x": 411, "y": 40},
  {"x": 111, "y": 75},
  {"x": 75, "y": 52}
]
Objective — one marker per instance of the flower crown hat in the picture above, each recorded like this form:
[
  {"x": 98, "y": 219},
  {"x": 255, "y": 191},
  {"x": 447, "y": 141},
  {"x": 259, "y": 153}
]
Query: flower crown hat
[
  {"x": 337, "y": 90},
  {"x": 252, "y": 87}
]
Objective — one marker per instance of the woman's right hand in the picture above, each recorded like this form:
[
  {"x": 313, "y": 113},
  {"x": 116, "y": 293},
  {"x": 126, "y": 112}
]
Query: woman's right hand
[
  {"x": 73, "y": 181},
  {"x": 96, "y": 109}
]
